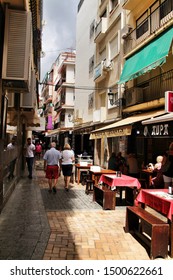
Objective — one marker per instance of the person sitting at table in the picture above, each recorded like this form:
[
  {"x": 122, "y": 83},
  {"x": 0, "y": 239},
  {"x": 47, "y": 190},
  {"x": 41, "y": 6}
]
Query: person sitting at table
[
  {"x": 113, "y": 162},
  {"x": 132, "y": 164},
  {"x": 122, "y": 165},
  {"x": 157, "y": 181},
  {"x": 167, "y": 167}
]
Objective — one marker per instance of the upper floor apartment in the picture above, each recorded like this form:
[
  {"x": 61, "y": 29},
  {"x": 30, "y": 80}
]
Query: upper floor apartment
[
  {"x": 65, "y": 81},
  {"x": 145, "y": 20},
  {"x": 108, "y": 12}
]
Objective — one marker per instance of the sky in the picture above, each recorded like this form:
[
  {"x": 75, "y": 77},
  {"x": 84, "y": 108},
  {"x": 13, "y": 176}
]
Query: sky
[{"x": 59, "y": 30}]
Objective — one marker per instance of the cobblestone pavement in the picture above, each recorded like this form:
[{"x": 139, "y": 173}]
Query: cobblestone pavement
[{"x": 64, "y": 226}]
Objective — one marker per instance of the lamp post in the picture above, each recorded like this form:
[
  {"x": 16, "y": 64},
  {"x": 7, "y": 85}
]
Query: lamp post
[{"x": 71, "y": 119}]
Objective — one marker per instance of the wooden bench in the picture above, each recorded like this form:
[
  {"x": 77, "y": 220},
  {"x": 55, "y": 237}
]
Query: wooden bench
[{"x": 149, "y": 229}]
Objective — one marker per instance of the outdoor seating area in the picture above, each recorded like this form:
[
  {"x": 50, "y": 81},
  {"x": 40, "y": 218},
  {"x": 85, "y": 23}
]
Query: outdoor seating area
[{"x": 111, "y": 189}]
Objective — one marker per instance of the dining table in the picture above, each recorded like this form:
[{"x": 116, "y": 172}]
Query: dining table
[
  {"x": 161, "y": 201},
  {"x": 95, "y": 175},
  {"x": 130, "y": 184},
  {"x": 79, "y": 168}
]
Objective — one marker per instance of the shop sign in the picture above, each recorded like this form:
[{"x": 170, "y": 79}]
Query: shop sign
[
  {"x": 169, "y": 101},
  {"x": 158, "y": 130}
]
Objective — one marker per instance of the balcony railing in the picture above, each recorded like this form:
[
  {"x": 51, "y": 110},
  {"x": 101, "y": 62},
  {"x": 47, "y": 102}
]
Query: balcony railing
[
  {"x": 150, "y": 90},
  {"x": 100, "y": 29},
  {"x": 161, "y": 16}
]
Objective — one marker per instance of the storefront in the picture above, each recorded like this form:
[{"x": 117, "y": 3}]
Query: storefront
[
  {"x": 158, "y": 134},
  {"x": 125, "y": 136}
]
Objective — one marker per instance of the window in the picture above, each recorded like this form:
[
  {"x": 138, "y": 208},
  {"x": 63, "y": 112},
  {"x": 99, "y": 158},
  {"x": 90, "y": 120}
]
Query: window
[
  {"x": 113, "y": 47},
  {"x": 92, "y": 27},
  {"x": 90, "y": 101},
  {"x": 165, "y": 8},
  {"x": 91, "y": 64},
  {"x": 113, "y": 4},
  {"x": 142, "y": 25},
  {"x": 102, "y": 54}
]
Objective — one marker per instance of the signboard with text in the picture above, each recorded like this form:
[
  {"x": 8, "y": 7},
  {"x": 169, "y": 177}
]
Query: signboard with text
[
  {"x": 169, "y": 101},
  {"x": 158, "y": 130}
]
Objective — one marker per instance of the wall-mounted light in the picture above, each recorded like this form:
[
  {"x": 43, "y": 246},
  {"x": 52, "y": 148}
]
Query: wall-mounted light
[
  {"x": 111, "y": 98},
  {"x": 70, "y": 118}
]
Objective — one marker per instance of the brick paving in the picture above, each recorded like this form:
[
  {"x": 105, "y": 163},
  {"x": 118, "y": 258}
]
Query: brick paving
[
  {"x": 37, "y": 225},
  {"x": 82, "y": 230}
]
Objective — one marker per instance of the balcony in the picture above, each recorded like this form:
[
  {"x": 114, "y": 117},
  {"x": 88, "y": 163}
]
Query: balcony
[
  {"x": 99, "y": 115},
  {"x": 99, "y": 72},
  {"x": 161, "y": 17},
  {"x": 150, "y": 90},
  {"x": 130, "y": 4},
  {"x": 100, "y": 29}
]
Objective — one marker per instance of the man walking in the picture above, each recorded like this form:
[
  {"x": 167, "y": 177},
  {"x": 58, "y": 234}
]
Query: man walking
[
  {"x": 51, "y": 166},
  {"x": 29, "y": 154},
  {"x": 11, "y": 146}
]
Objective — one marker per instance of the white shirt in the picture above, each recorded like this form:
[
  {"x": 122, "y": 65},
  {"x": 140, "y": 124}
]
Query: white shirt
[
  {"x": 10, "y": 146},
  {"x": 30, "y": 150},
  {"x": 67, "y": 157}
]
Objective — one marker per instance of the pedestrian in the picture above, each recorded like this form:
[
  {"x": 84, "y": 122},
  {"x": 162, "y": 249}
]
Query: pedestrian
[
  {"x": 38, "y": 150},
  {"x": 122, "y": 165},
  {"x": 11, "y": 146},
  {"x": 29, "y": 149},
  {"x": 51, "y": 166},
  {"x": 113, "y": 162},
  {"x": 167, "y": 167},
  {"x": 132, "y": 164},
  {"x": 67, "y": 164}
]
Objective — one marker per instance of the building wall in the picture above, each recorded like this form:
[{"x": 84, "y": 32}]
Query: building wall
[
  {"x": 85, "y": 49},
  {"x": 70, "y": 74}
]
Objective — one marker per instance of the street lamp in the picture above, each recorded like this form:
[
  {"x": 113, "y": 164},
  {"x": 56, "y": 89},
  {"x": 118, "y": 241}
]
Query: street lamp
[
  {"x": 70, "y": 118},
  {"x": 111, "y": 98}
]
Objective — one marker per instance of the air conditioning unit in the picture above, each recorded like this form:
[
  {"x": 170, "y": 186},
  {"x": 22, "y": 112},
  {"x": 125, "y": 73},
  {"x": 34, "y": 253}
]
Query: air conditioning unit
[
  {"x": 125, "y": 31},
  {"x": 134, "y": 96},
  {"x": 17, "y": 51},
  {"x": 107, "y": 65},
  {"x": 28, "y": 100},
  {"x": 10, "y": 96}
]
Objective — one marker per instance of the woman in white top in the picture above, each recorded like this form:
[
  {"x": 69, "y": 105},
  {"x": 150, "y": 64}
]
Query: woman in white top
[{"x": 67, "y": 164}]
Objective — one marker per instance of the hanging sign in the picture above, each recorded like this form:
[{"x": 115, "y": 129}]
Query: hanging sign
[{"x": 169, "y": 101}]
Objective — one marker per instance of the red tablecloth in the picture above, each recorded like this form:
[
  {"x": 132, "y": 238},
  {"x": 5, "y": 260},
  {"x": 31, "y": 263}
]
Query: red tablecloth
[
  {"x": 123, "y": 181},
  {"x": 158, "y": 199}
]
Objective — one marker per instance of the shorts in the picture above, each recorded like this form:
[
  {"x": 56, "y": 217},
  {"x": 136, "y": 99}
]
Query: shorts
[
  {"x": 67, "y": 169},
  {"x": 52, "y": 172},
  {"x": 167, "y": 179}
]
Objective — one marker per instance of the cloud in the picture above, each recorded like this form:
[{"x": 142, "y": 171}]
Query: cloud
[{"x": 59, "y": 32}]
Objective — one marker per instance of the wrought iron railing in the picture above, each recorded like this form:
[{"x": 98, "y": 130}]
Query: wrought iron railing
[
  {"x": 150, "y": 89},
  {"x": 149, "y": 26}
]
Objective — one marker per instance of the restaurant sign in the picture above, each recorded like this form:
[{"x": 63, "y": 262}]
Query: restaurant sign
[
  {"x": 159, "y": 129},
  {"x": 123, "y": 131}
]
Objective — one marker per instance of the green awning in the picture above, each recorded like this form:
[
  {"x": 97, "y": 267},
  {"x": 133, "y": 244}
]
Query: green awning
[{"x": 147, "y": 58}]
